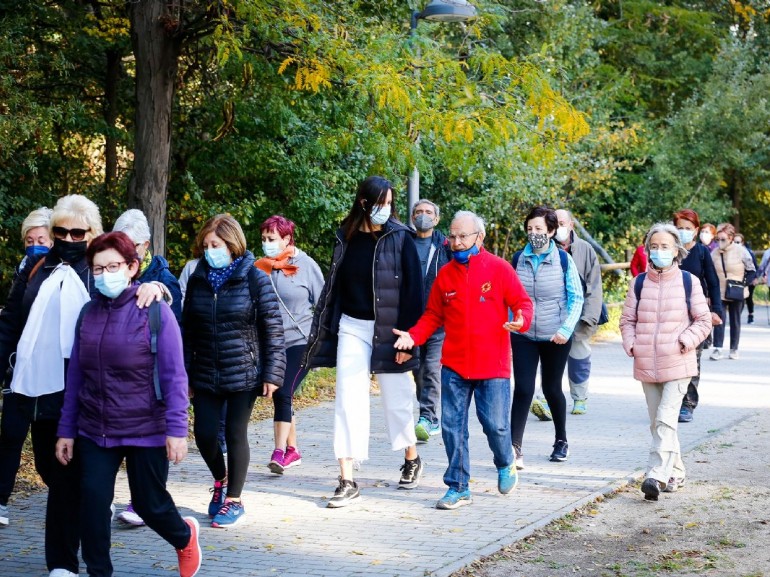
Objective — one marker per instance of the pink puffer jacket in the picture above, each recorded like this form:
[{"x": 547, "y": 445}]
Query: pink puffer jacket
[{"x": 662, "y": 338}]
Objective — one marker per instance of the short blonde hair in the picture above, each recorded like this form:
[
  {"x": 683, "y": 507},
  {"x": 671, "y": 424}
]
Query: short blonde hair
[
  {"x": 38, "y": 217},
  {"x": 78, "y": 207},
  {"x": 226, "y": 228}
]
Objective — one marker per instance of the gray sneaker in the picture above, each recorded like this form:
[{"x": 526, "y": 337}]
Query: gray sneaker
[
  {"x": 411, "y": 472},
  {"x": 346, "y": 492},
  {"x": 4, "y": 515},
  {"x": 716, "y": 354}
]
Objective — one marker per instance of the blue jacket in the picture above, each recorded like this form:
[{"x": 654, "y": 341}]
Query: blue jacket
[{"x": 158, "y": 271}]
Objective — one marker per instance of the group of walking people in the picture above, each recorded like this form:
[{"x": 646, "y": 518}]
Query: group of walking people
[{"x": 127, "y": 347}]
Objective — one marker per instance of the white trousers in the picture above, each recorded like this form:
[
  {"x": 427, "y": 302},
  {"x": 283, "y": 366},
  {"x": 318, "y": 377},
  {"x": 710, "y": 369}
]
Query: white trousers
[
  {"x": 663, "y": 403},
  {"x": 351, "y": 407}
]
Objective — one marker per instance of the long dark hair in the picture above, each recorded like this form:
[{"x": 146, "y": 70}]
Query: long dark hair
[{"x": 372, "y": 191}]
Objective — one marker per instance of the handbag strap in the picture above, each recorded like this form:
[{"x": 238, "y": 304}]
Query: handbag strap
[
  {"x": 280, "y": 300},
  {"x": 722, "y": 256}
]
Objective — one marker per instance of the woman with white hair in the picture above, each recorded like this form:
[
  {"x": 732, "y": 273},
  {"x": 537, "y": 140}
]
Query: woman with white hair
[
  {"x": 36, "y": 234},
  {"x": 665, "y": 318},
  {"x": 152, "y": 268}
]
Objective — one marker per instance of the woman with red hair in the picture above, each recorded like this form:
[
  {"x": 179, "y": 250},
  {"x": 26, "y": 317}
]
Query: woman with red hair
[{"x": 698, "y": 262}]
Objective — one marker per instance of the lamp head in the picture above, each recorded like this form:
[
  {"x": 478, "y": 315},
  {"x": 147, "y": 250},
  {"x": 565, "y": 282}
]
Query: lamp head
[{"x": 448, "y": 11}]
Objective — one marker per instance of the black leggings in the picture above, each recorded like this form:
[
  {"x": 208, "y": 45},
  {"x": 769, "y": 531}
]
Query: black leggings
[
  {"x": 208, "y": 413},
  {"x": 526, "y": 356},
  {"x": 282, "y": 398}
]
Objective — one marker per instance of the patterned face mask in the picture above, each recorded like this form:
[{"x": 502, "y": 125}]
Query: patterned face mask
[{"x": 537, "y": 241}]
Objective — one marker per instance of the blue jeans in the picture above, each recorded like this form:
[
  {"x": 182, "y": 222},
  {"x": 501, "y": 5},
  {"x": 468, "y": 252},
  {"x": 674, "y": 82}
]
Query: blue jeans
[{"x": 493, "y": 402}]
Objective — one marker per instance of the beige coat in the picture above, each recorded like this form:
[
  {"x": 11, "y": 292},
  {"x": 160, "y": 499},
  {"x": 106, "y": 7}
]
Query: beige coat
[
  {"x": 737, "y": 262},
  {"x": 662, "y": 337}
]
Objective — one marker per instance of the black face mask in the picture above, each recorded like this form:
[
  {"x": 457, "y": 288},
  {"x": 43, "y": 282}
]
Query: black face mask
[{"x": 70, "y": 252}]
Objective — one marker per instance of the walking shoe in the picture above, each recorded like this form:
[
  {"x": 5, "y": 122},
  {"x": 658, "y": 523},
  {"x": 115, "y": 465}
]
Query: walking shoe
[
  {"x": 345, "y": 492},
  {"x": 276, "y": 464},
  {"x": 651, "y": 489},
  {"x": 685, "y": 415},
  {"x": 579, "y": 408},
  {"x": 453, "y": 499},
  {"x": 716, "y": 354},
  {"x": 62, "y": 573},
  {"x": 674, "y": 484},
  {"x": 217, "y": 497},
  {"x": 4, "y": 515},
  {"x": 129, "y": 516},
  {"x": 230, "y": 513},
  {"x": 422, "y": 429},
  {"x": 560, "y": 451},
  {"x": 733, "y": 354},
  {"x": 411, "y": 472},
  {"x": 540, "y": 409},
  {"x": 191, "y": 556},
  {"x": 518, "y": 458},
  {"x": 751, "y": 319},
  {"x": 507, "y": 479},
  {"x": 291, "y": 458}
]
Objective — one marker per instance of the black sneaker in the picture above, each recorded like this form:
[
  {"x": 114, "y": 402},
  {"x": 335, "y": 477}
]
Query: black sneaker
[
  {"x": 344, "y": 494},
  {"x": 411, "y": 471},
  {"x": 560, "y": 451},
  {"x": 651, "y": 489}
]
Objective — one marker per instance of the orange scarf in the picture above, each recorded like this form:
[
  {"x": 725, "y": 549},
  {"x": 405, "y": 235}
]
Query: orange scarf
[{"x": 281, "y": 262}]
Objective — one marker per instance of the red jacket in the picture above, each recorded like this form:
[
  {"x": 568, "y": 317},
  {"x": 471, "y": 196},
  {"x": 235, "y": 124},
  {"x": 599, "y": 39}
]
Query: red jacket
[{"x": 471, "y": 303}]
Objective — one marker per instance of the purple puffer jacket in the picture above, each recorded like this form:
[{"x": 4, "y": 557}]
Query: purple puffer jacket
[{"x": 110, "y": 396}]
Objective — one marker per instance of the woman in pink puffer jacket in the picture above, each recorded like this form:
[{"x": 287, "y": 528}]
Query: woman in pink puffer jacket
[{"x": 662, "y": 336}]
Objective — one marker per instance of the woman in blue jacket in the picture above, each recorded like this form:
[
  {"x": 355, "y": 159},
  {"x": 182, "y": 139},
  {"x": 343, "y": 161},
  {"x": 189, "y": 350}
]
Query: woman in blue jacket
[{"x": 114, "y": 410}]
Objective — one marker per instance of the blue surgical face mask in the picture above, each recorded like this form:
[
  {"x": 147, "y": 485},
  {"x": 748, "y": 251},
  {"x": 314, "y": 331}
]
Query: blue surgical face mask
[
  {"x": 36, "y": 249},
  {"x": 217, "y": 257},
  {"x": 662, "y": 258},
  {"x": 111, "y": 284},
  {"x": 380, "y": 214},
  {"x": 686, "y": 236},
  {"x": 463, "y": 256},
  {"x": 271, "y": 249}
]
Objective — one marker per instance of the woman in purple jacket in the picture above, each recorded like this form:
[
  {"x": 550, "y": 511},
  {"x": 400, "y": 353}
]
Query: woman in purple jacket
[{"x": 112, "y": 410}]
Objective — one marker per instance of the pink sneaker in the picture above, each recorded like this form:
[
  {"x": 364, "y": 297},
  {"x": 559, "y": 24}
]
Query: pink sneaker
[
  {"x": 276, "y": 464},
  {"x": 291, "y": 458}
]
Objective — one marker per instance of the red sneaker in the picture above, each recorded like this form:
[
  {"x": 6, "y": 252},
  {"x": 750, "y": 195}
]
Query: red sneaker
[{"x": 191, "y": 556}]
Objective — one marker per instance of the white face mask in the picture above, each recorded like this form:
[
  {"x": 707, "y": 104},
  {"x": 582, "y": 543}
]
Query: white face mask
[
  {"x": 271, "y": 249},
  {"x": 380, "y": 214},
  {"x": 562, "y": 233}
]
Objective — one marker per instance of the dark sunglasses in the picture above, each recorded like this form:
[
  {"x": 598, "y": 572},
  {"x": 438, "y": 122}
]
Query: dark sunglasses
[{"x": 77, "y": 234}]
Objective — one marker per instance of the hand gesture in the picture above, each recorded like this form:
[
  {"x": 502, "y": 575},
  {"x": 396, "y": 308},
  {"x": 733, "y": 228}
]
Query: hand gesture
[
  {"x": 404, "y": 341},
  {"x": 515, "y": 325}
]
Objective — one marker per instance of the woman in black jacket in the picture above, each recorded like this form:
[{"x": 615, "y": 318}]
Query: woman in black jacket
[
  {"x": 699, "y": 264},
  {"x": 375, "y": 285},
  {"x": 234, "y": 352}
]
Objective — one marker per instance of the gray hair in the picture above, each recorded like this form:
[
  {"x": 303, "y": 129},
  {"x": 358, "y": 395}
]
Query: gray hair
[
  {"x": 670, "y": 229},
  {"x": 78, "y": 208},
  {"x": 426, "y": 201},
  {"x": 476, "y": 219},
  {"x": 38, "y": 217},
  {"x": 134, "y": 224}
]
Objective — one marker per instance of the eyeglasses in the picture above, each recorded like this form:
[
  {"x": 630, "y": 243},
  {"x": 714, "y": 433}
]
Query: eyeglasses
[
  {"x": 77, "y": 234},
  {"x": 110, "y": 267},
  {"x": 721, "y": 238},
  {"x": 461, "y": 237}
]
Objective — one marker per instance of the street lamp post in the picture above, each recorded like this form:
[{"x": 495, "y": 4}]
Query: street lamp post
[{"x": 435, "y": 11}]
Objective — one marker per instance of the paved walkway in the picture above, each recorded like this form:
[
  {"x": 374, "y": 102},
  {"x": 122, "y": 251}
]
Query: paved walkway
[{"x": 288, "y": 530}]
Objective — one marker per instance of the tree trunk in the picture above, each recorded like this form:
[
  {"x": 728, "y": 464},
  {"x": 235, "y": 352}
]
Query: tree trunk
[
  {"x": 110, "y": 118},
  {"x": 156, "y": 54}
]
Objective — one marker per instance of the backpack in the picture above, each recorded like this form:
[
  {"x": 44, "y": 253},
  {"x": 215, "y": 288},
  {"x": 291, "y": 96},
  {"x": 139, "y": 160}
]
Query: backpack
[
  {"x": 154, "y": 319},
  {"x": 686, "y": 279},
  {"x": 604, "y": 316}
]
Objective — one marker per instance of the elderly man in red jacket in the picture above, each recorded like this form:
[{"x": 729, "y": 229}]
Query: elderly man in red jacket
[{"x": 471, "y": 298}]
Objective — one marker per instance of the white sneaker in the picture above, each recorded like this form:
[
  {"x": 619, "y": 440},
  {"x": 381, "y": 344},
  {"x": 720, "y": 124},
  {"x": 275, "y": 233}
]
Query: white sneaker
[
  {"x": 129, "y": 516},
  {"x": 716, "y": 354},
  {"x": 518, "y": 458},
  {"x": 4, "y": 515},
  {"x": 62, "y": 573},
  {"x": 733, "y": 354}
]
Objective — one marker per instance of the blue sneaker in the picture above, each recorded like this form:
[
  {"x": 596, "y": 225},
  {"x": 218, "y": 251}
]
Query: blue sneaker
[
  {"x": 507, "y": 479},
  {"x": 422, "y": 429},
  {"x": 453, "y": 499},
  {"x": 217, "y": 498},
  {"x": 685, "y": 415},
  {"x": 435, "y": 429},
  {"x": 230, "y": 513}
]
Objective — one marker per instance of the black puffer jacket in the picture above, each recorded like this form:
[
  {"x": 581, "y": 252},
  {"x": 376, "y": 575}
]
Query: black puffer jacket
[
  {"x": 398, "y": 303},
  {"x": 233, "y": 340},
  {"x": 14, "y": 316}
]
